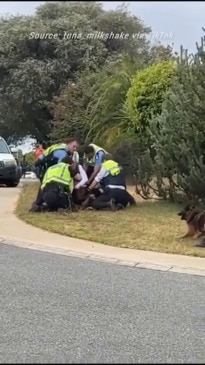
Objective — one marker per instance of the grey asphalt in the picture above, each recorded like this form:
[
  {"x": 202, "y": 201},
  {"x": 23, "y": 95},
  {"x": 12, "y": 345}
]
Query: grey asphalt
[{"x": 60, "y": 309}]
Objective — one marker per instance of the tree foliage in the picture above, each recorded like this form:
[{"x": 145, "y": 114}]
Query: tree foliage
[
  {"x": 69, "y": 109},
  {"x": 108, "y": 123},
  {"x": 178, "y": 137},
  {"x": 147, "y": 92},
  {"x": 35, "y": 67},
  {"x": 30, "y": 158},
  {"x": 75, "y": 70},
  {"x": 94, "y": 108}
]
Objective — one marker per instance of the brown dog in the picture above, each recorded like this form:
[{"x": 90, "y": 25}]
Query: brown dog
[{"x": 195, "y": 219}]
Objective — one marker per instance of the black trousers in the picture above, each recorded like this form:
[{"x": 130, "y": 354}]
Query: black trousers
[
  {"x": 120, "y": 197},
  {"x": 54, "y": 196},
  {"x": 79, "y": 196}
]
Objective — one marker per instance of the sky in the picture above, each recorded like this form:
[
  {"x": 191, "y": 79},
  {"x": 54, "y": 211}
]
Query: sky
[{"x": 181, "y": 22}]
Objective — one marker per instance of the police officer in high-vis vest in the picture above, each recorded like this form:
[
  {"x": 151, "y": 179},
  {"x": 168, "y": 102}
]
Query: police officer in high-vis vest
[
  {"x": 115, "y": 195},
  {"x": 57, "y": 187},
  {"x": 93, "y": 157},
  {"x": 54, "y": 154}
]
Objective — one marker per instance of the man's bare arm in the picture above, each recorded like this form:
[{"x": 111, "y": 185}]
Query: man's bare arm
[
  {"x": 99, "y": 177},
  {"x": 94, "y": 174}
]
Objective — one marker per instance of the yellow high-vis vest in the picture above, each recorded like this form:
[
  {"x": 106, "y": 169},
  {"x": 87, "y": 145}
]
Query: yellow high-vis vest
[
  {"x": 97, "y": 149},
  {"x": 112, "y": 167},
  {"x": 54, "y": 147},
  {"x": 115, "y": 175},
  {"x": 59, "y": 173}
]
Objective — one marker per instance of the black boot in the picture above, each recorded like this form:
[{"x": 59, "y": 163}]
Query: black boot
[
  {"x": 112, "y": 205},
  {"x": 120, "y": 206},
  {"x": 35, "y": 208},
  {"x": 88, "y": 201},
  {"x": 103, "y": 205},
  {"x": 201, "y": 243}
]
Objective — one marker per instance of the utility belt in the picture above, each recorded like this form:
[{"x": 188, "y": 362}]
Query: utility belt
[
  {"x": 110, "y": 188},
  {"x": 57, "y": 188},
  {"x": 120, "y": 187},
  {"x": 60, "y": 192}
]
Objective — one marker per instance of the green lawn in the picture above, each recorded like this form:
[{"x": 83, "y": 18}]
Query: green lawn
[{"x": 152, "y": 226}]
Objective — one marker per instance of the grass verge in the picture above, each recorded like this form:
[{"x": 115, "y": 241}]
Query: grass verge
[{"x": 150, "y": 226}]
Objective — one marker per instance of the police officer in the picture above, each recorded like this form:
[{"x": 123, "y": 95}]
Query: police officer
[
  {"x": 57, "y": 187},
  {"x": 54, "y": 154},
  {"x": 112, "y": 178},
  {"x": 93, "y": 157}
]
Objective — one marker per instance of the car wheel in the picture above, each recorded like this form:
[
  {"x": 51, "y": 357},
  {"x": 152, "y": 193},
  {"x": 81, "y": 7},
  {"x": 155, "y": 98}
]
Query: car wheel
[{"x": 12, "y": 184}]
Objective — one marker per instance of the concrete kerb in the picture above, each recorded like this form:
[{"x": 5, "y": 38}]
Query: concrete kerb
[
  {"x": 82, "y": 255},
  {"x": 30, "y": 237}
]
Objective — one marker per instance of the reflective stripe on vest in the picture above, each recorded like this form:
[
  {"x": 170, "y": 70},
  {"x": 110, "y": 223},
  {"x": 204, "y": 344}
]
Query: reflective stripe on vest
[
  {"x": 58, "y": 173},
  {"x": 112, "y": 167},
  {"x": 54, "y": 147},
  {"x": 97, "y": 149}
]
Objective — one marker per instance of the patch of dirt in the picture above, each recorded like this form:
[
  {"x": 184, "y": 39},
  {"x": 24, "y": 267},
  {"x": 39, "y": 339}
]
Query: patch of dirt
[{"x": 137, "y": 197}]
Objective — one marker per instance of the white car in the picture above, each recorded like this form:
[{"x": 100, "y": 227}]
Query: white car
[
  {"x": 10, "y": 171},
  {"x": 30, "y": 175}
]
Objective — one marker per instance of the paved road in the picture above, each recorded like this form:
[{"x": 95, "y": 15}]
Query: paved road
[{"x": 60, "y": 309}]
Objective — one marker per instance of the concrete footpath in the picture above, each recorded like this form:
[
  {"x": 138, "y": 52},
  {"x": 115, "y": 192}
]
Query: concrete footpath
[{"x": 17, "y": 233}]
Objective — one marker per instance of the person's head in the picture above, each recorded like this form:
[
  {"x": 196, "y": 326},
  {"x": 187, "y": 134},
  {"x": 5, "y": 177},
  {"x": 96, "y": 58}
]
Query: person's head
[
  {"x": 89, "y": 151},
  {"x": 44, "y": 145},
  {"x": 67, "y": 159},
  {"x": 72, "y": 145},
  {"x": 73, "y": 169},
  {"x": 39, "y": 145},
  {"x": 73, "y": 166}
]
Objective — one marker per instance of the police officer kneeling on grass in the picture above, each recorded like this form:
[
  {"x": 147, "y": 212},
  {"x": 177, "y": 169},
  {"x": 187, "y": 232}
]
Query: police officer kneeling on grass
[
  {"x": 115, "y": 195},
  {"x": 57, "y": 186}
]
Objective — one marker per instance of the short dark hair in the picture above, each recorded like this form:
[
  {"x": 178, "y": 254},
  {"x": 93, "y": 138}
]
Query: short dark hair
[
  {"x": 67, "y": 159},
  {"x": 70, "y": 140},
  {"x": 88, "y": 149},
  {"x": 73, "y": 169},
  {"x": 44, "y": 145}
]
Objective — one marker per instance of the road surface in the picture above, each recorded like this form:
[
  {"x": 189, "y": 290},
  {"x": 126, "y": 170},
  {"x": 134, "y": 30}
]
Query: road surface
[{"x": 60, "y": 309}]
